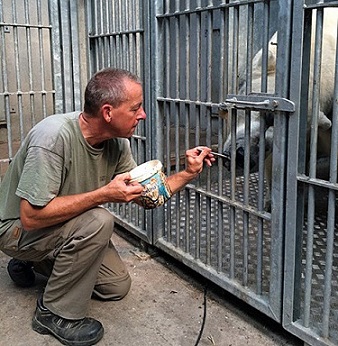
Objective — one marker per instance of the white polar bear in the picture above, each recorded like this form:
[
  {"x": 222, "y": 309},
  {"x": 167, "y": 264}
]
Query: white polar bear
[{"x": 325, "y": 101}]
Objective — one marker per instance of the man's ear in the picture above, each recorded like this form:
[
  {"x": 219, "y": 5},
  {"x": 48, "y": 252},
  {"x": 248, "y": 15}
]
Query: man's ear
[{"x": 106, "y": 112}]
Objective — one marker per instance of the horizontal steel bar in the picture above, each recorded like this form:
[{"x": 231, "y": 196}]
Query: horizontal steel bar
[
  {"x": 24, "y": 25},
  {"x": 261, "y": 214},
  {"x": 258, "y": 102},
  {"x": 318, "y": 182},
  {"x": 189, "y": 102},
  {"x": 209, "y": 8},
  {"x": 116, "y": 33},
  {"x": 313, "y": 4},
  {"x": 40, "y": 92}
]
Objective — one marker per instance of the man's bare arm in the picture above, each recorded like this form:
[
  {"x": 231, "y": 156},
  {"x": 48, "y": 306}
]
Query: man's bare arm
[
  {"x": 63, "y": 208},
  {"x": 195, "y": 158}
]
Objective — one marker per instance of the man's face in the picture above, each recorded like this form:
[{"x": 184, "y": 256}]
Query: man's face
[{"x": 125, "y": 118}]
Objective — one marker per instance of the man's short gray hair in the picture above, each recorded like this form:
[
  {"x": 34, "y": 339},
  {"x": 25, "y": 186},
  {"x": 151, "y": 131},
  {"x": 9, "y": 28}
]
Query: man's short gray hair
[{"x": 107, "y": 86}]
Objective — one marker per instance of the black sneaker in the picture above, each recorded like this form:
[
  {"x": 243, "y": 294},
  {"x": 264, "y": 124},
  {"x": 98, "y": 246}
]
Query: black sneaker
[
  {"x": 83, "y": 332},
  {"x": 21, "y": 272}
]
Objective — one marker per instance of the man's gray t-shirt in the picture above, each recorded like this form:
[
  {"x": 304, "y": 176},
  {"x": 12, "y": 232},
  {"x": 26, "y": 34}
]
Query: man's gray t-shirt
[{"x": 55, "y": 160}]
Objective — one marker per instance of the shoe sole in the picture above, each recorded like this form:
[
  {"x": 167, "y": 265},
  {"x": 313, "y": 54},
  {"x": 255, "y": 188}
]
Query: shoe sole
[{"x": 41, "y": 329}]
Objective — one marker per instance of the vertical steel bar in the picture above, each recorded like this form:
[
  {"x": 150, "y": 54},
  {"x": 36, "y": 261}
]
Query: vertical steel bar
[
  {"x": 207, "y": 93},
  {"x": 187, "y": 232},
  {"x": 331, "y": 209},
  {"x": 138, "y": 142},
  {"x": 107, "y": 32},
  {"x": 233, "y": 192},
  {"x": 224, "y": 44},
  {"x": 279, "y": 161},
  {"x": 209, "y": 28},
  {"x": 198, "y": 52},
  {"x": 136, "y": 26},
  {"x": 101, "y": 39},
  {"x": 139, "y": 47},
  {"x": 55, "y": 38},
  {"x": 167, "y": 59},
  {"x": 42, "y": 61},
  {"x": 318, "y": 47},
  {"x": 177, "y": 153},
  {"x": 110, "y": 20},
  {"x": 176, "y": 53},
  {"x": 234, "y": 87},
  {"x": 198, "y": 204},
  {"x": 75, "y": 56},
  {"x": 198, "y": 226},
  {"x": 116, "y": 28},
  {"x": 197, "y": 114},
  {"x": 247, "y": 144},
  {"x": 223, "y": 91},
  {"x": 126, "y": 36},
  {"x": 17, "y": 70},
  {"x": 220, "y": 235},
  {"x": 185, "y": 109},
  {"x": 66, "y": 61},
  {"x": 130, "y": 37},
  {"x": 208, "y": 229},
  {"x": 166, "y": 113},
  {"x": 187, "y": 48},
  {"x": 30, "y": 64},
  {"x": 124, "y": 28},
  {"x": 113, "y": 31},
  {"x": 118, "y": 36},
  {"x": 3, "y": 56},
  {"x": 309, "y": 256},
  {"x": 262, "y": 151},
  {"x": 235, "y": 52},
  {"x": 313, "y": 165},
  {"x": 105, "y": 40},
  {"x": 175, "y": 93},
  {"x": 96, "y": 39}
]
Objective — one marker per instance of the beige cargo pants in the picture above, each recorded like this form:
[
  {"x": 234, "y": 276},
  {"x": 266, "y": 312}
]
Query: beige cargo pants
[{"x": 77, "y": 256}]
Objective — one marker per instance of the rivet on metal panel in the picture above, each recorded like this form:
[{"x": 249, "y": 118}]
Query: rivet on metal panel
[
  {"x": 275, "y": 103},
  {"x": 7, "y": 29}
]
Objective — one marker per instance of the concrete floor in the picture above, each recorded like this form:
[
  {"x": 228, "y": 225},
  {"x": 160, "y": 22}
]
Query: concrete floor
[{"x": 164, "y": 307}]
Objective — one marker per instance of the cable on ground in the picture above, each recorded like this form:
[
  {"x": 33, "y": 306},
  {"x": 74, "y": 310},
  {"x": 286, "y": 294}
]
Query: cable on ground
[{"x": 204, "y": 316}]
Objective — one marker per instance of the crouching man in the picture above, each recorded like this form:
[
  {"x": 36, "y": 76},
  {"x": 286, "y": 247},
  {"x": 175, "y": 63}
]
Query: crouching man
[{"x": 51, "y": 221}]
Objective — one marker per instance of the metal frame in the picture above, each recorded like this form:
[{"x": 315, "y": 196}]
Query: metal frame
[
  {"x": 312, "y": 321},
  {"x": 201, "y": 241}
]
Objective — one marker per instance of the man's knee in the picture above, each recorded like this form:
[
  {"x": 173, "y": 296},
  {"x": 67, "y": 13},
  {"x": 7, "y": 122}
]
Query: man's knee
[
  {"x": 99, "y": 219},
  {"x": 113, "y": 290},
  {"x": 102, "y": 215}
]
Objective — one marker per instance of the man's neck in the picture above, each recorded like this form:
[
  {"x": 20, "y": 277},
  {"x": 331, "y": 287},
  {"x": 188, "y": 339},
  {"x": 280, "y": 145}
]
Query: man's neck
[{"x": 92, "y": 130}]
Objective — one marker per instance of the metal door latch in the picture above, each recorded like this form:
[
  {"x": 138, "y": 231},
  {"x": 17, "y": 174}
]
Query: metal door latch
[{"x": 258, "y": 102}]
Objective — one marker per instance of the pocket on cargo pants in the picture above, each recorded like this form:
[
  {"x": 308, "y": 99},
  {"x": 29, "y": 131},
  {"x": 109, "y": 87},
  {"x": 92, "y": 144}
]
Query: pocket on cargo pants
[{"x": 9, "y": 241}]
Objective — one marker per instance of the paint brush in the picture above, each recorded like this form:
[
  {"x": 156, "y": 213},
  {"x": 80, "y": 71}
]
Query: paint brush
[{"x": 216, "y": 154}]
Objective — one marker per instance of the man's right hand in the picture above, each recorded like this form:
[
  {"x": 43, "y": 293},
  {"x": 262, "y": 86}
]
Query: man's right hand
[{"x": 121, "y": 190}]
